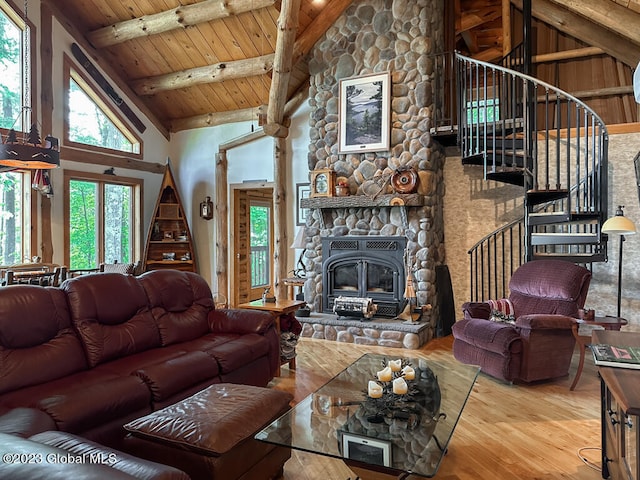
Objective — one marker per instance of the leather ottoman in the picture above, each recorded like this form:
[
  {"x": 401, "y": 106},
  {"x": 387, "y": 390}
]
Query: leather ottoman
[{"x": 210, "y": 434}]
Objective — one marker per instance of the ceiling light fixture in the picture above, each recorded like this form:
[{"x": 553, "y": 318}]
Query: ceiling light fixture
[{"x": 28, "y": 151}]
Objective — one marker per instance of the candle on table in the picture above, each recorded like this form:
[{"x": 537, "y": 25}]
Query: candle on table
[
  {"x": 375, "y": 390},
  {"x": 409, "y": 373},
  {"x": 400, "y": 386},
  {"x": 395, "y": 365},
  {"x": 385, "y": 374}
]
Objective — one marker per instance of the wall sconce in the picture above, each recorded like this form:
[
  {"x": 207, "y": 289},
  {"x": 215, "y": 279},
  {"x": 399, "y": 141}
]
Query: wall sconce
[{"x": 206, "y": 209}]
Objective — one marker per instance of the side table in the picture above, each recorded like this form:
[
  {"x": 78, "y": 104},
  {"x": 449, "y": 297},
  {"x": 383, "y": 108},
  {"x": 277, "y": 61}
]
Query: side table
[
  {"x": 277, "y": 309},
  {"x": 598, "y": 323},
  {"x": 291, "y": 283}
]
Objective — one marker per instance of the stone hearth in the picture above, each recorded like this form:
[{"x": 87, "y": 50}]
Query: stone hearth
[{"x": 383, "y": 332}]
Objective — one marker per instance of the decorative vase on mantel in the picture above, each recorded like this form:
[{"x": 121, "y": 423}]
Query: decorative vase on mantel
[{"x": 342, "y": 191}]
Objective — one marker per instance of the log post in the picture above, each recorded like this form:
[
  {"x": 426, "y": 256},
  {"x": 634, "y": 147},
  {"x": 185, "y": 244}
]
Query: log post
[
  {"x": 222, "y": 225},
  {"x": 281, "y": 243}
]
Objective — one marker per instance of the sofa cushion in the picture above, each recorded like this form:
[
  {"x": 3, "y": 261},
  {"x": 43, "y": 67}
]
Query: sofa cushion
[
  {"x": 169, "y": 377},
  {"x": 81, "y": 401},
  {"x": 37, "y": 467},
  {"x": 118, "y": 461},
  {"x": 180, "y": 303},
  {"x": 236, "y": 352},
  {"x": 37, "y": 341},
  {"x": 214, "y": 420},
  {"x": 111, "y": 314}
]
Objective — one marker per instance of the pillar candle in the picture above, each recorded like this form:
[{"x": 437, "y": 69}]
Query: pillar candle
[
  {"x": 400, "y": 386},
  {"x": 375, "y": 390},
  {"x": 395, "y": 365},
  {"x": 409, "y": 373},
  {"x": 385, "y": 374}
]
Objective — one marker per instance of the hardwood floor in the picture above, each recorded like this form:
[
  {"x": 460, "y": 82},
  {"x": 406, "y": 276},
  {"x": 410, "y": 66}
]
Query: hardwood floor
[{"x": 506, "y": 431}]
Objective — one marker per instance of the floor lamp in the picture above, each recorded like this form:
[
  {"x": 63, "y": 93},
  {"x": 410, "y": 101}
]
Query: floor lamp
[{"x": 619, "y": 225}]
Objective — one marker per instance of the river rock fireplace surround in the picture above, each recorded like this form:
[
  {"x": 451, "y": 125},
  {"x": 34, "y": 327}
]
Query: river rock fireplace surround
[{"x": 403, "y": 37}]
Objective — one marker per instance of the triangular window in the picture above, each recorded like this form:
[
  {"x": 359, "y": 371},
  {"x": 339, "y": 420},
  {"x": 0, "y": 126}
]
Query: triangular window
[{"x": 91, "y": 122}]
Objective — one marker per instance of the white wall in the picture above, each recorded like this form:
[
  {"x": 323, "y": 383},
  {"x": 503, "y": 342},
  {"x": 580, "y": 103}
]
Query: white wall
[{"x": 193, "y": 154}]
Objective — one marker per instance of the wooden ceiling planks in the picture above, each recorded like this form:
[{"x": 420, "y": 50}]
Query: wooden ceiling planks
[{"x": 254, "y": 33}]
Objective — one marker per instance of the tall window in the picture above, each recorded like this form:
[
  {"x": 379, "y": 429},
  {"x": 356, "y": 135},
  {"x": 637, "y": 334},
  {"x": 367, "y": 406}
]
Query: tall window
[
  {"x": 12, "y": 87},
  {"x": 15, "y": 188},
  {"x": 14, "y": 218},
  {"x": 102, "y": 218},
  {"x": 260, "y": 218},
  {"x": 90, "y": 121}
]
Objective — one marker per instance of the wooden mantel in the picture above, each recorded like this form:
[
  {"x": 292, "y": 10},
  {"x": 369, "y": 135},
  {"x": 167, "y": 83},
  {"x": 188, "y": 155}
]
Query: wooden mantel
[{"x": 364, "y": 201}]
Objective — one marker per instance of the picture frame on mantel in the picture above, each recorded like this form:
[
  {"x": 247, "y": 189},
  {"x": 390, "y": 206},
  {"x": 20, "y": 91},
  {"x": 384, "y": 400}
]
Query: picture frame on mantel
[
  {"x": 303, "y": 190},
  {"x": 364, "y": 113}
]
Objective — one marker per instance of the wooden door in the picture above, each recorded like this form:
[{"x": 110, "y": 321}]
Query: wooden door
[{"x": 253, "y": 245}]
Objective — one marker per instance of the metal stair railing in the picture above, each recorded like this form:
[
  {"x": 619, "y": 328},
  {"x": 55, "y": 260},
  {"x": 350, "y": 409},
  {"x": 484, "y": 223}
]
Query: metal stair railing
[{"x": 525, "y": 130}]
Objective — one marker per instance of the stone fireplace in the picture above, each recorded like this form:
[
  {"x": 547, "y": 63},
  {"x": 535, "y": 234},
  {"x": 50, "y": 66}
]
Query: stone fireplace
[
  {"x": 371, "y": 267},
  {"x": 374, "y": 36}
]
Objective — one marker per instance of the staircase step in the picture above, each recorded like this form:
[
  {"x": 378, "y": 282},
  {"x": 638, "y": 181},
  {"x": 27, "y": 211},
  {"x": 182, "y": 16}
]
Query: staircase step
[
  {"x": 507, "y": 126},
  {"x": 477, "y": 159},
  {"x": 536, "y": 197},
  {"x": 511, "y": 175},
  {"x": 572, "y": 257},
  {"x": 502, "y": 143},
  {"x": 564, "y": 238},
  {"x": 549, "y": 218},
  {"x": 447, "y": 135}
]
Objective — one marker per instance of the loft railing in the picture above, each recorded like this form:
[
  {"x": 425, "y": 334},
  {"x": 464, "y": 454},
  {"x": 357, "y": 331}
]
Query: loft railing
[{"x": 525, "y": 130}]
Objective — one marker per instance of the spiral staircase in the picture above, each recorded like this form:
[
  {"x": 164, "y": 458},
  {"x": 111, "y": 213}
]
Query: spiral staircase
[{"x": 525, "y": 132}]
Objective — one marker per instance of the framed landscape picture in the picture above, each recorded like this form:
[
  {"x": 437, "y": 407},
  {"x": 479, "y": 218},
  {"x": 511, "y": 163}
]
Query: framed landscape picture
[
  {"x": 365, "y": 113},
  {"x": 303, "y": 190}
]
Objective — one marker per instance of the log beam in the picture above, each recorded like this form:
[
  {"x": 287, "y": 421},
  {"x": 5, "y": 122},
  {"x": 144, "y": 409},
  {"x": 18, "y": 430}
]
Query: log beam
[
  {"x": 180, "y": 17},
  {"x": 218, "y": 72},
  {"x": 623, "y": 21},
  {"x": 287, "y": 28},
  {"x": 583, "y": 29},
  {"x": 217, "y": 118},
  {"x": 83, "y": 156}
]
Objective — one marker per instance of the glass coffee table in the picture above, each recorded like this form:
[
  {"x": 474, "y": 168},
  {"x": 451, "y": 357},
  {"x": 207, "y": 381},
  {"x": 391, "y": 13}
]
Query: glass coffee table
[{"x": 396, "y": 435}]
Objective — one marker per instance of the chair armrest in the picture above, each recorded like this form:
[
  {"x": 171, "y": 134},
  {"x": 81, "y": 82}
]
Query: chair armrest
[
  {"x": 240, "y": 321},
  {"x": 476, "y": 310},
  {"x": 541, "y": 321}
]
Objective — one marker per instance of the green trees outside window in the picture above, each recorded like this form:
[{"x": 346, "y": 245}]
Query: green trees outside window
[
  {"x": 13, "y": 218},
  {"x": 100, "y": 223}
]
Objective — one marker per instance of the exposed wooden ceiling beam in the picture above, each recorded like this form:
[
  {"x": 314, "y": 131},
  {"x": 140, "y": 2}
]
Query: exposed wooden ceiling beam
[
  {"x": 614, "y": 17},
  {"x": 249, "y": 67},
  {"x": 303, "y": 45},
  {"x": 287, "y": 28},
  {"x": 180, "y": 17},
  {"x": 585, "y": 30},
  {"x": 480, "y": 17},
  {"x": 217, "y": 118},
  {"x": 218, "y": 72}
]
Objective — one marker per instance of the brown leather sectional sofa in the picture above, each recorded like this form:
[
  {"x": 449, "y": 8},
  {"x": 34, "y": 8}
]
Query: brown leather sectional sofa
[{"x": 107, "y": 348}]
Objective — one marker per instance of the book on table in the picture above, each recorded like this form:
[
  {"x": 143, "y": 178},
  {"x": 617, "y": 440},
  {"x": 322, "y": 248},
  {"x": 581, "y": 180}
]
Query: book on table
[{"x": 616, "y": 356}]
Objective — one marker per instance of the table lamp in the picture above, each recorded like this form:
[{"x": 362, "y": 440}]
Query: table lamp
[
  {"x": 619, "y": 225},
  {"x": 299, "y": 243}
]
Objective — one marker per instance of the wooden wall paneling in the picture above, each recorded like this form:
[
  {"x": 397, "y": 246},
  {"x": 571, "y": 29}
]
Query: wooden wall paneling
[
  {"x": 628, "y": 102},
  {"x": 46, "y": 107}
]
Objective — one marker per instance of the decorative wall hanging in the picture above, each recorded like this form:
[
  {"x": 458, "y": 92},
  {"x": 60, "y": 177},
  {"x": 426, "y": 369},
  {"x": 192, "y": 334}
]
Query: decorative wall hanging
[
  {"x": 404, "y": 180},
  {"x": 365, "y": 113}
]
